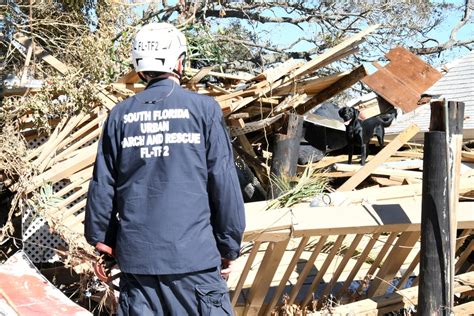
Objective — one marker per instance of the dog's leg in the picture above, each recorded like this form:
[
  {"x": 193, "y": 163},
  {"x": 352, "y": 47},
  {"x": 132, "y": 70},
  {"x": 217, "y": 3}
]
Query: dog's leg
[
  {"x": 380, "y": 136},
  {"x": 363, "y": 153},
  {"x": 350, "y": 151}
]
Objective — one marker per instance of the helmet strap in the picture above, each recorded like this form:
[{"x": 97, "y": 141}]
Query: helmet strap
[{"x": 179, "y": 70}]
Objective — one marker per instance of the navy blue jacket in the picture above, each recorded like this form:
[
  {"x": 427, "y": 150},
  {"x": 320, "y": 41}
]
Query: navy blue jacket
[{"x": 165, "y": 192}]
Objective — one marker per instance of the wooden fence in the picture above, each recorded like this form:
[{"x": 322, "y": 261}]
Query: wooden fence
[{"x": 325, "y": 257}]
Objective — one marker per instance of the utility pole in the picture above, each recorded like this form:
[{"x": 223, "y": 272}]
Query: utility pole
[
  {"x": 441, "y": 164},
  {"x": 285, "y": 152}
]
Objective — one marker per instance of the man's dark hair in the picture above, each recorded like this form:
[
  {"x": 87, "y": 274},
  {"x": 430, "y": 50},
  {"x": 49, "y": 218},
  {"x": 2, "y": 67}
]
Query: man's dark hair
[{"x": 153, "y": 74}]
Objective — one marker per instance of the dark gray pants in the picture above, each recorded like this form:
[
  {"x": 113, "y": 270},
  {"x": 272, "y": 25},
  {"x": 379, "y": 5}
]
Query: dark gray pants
[{"x": 202, "y": 293}]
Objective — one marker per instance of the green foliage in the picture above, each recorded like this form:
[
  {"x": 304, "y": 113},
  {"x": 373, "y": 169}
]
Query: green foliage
[
  {"x": 309, "y": 184},
  {"x": 217, "y": 47},
  {"x": 61, "y": 96}
]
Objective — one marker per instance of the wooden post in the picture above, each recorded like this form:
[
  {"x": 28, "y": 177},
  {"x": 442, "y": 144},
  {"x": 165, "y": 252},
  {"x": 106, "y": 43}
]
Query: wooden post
[
  {"x": 439, "y": 196},
  {"x": 285, "y": 151}
]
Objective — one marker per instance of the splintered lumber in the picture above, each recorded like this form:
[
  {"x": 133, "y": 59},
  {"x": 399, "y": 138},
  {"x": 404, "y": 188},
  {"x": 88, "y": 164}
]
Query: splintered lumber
[
  {"x": 199, "y": 75},
  {"x": 41, "y": 53},
  {"x": 288, "y": 72},
  {"x": 397, "y": 255},
  {"x": 381, "y": 157},
  {"x": 322, "y": 59},
  {"x": 273, "y": 74},
  {"x": 333, "y": 239},
  {"x": 381, "y": 305},
  {"x": 337, "y": 87},
  {"x": 65, "y": 169},
  {"x": 268, "y": 267},
  {"x": 381, "y": 171},
  {"x": 131, "y": 77}
]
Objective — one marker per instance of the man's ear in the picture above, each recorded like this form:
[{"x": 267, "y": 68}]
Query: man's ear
[
  {"x": 142, "y": 76},
  {"x": 180, "y": 65}
]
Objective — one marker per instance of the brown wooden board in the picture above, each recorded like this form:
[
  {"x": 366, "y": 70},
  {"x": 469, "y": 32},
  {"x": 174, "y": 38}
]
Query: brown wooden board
[
  {"x": 411, "y": 69},
  {"x": 403, "y": 80}
]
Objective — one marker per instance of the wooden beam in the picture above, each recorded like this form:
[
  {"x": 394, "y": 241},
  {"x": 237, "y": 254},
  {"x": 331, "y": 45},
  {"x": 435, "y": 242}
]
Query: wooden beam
[
  {"x": 383, "y": 155},
  {"x": 263, "y": 279},
  {"x": 381, "y": 305},
  {"x": 371, "y": 218},
  {"x": 322, "y": 271},
  {"x": 307, "y": 269},
  {"x": 337, "y": 87},
  {"x": 199, "y": 75},
  {"x": 381, "y": 171},
  {"x": 129, "y": 78},
  {"x": 397, "y": 255},
  {"x": 345, "y": 259},
  {"x": 243, "y": 275},
  {"x": 360, "y": 261},
  {"x": 291, "y": 266},
  {"x": 328, "y": 54},
  {"x": 42, "y": 54}
]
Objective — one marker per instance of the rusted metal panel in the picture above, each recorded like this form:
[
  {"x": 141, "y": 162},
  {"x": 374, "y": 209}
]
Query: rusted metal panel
[
  {"x": 402, "y": 81},
  {"x": 26, "y": 292}
]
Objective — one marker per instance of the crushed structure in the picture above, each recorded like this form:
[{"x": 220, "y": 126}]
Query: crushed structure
[{"x": 361, "y": 235}]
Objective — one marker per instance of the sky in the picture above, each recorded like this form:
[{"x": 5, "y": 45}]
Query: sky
[{"x": 285, "y": 33}]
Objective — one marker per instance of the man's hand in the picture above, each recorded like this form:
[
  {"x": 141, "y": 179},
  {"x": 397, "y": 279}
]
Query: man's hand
[
  {"x": 226, "y": 268},
  {"x": 105, "y": 263}
]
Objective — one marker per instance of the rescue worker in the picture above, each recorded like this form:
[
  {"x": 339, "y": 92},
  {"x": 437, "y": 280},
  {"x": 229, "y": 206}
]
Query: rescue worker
[{"x": 164, "y": 193}]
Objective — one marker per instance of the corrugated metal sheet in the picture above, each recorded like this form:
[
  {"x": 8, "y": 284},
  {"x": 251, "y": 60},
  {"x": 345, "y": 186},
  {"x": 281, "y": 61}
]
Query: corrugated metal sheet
[{"x": 456, "y": 85}]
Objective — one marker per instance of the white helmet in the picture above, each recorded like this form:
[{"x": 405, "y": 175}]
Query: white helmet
[{"x": 157, "y": 47}]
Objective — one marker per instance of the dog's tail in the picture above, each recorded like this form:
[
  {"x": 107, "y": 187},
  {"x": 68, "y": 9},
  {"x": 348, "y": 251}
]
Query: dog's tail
[{"x": 388, "y": 117}]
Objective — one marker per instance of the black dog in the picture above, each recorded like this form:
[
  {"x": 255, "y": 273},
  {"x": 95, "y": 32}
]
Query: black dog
[{"x": 359, "y": 132}]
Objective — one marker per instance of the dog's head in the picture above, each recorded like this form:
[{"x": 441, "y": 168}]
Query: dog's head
[{"x": 348, "y": 114}]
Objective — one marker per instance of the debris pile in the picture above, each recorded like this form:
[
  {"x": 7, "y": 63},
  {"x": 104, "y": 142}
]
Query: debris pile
[{"x": 51, "y": 175}]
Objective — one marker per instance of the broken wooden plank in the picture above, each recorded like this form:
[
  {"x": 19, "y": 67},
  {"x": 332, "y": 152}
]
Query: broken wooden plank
[
  {"x": 66, "y": 168},
  {"x": 383, "y": 155},
  {"x": 199, "y": 75},
  {"x": 306, "y": 269},
  {"x": 316, "y": 62},
  {"x": 360, "y": 261},
  {"x": 319, "y": 276},
  {"x": 279, "y": 291},
  {"x": 380, "y": 171},
  {"x": 273, "y": 74},
  {"x": 381, "y": 305},
  {"x": 263, "y": 279},
  {"x": 403, "y": 80},
  {"x": 337, "y": 87},
  {"x": 397, "y": 255},
  {"x": 237, "y": 77},
  {"x": 129, "y": 78},
  {"x": 42, "y": 54},
  {"x": 309, "y": 86}
]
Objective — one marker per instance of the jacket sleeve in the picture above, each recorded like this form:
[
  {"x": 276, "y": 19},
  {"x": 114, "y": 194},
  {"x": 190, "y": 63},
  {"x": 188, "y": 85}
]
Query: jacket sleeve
[
  {"x": 225, "y": 196},
  {"x": 100, "y": 215}
]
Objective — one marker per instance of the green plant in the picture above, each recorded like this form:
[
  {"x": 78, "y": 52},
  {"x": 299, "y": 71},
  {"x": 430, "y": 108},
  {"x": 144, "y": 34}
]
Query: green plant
[{"x": 308, "y": 185}]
